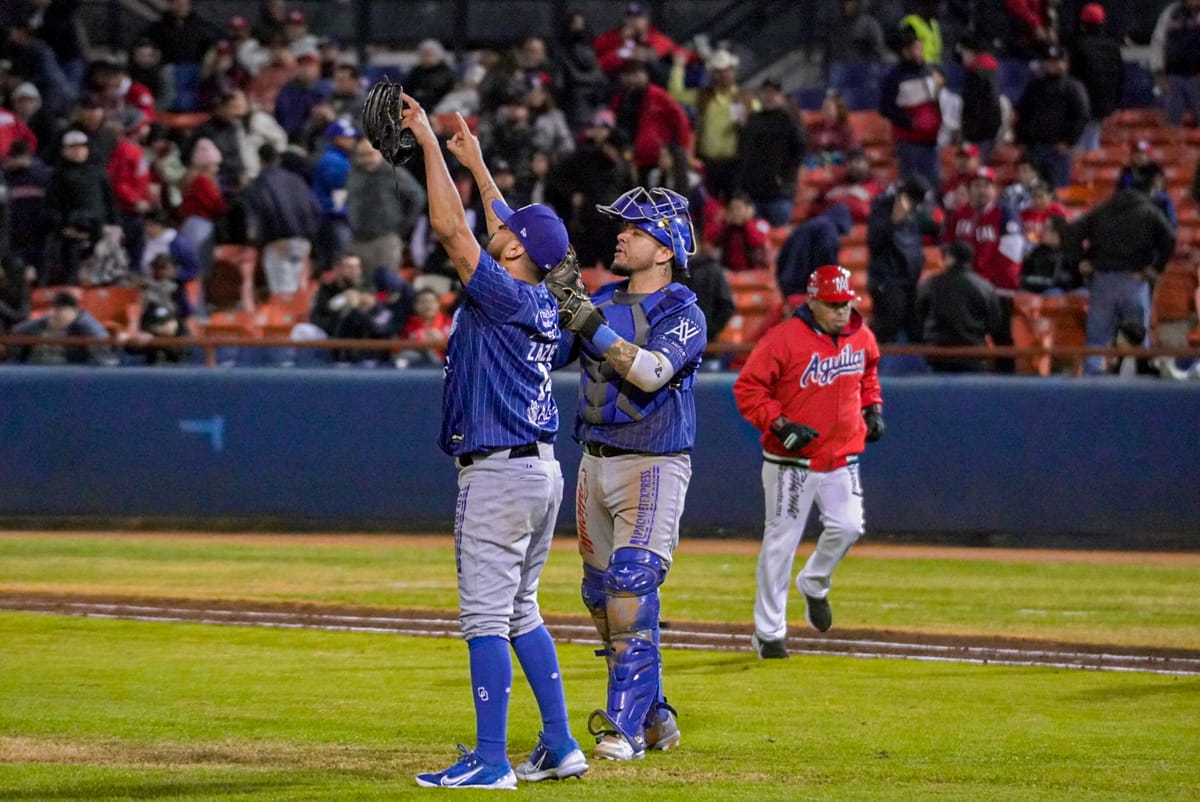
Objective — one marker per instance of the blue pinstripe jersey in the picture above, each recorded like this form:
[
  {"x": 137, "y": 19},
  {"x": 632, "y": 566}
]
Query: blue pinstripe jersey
[
  {"x": 497, "y": 370},
  {"x": 615, "y": 412}
]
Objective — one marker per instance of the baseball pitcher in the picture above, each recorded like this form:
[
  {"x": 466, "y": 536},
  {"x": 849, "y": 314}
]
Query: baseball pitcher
[
  {"x": 499, "y": 421},
  {"x": 639, "y": 343},
  {"x": 811, "y": 386}
]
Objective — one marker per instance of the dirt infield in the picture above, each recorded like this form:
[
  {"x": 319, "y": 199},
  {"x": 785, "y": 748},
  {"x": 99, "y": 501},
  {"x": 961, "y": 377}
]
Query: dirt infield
[
  {"x": 578, "y": 629},
  {"x": 867, "y": 643}
]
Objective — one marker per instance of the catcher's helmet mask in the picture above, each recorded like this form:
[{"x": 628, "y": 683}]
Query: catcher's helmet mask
[{"x": 662, "y": 214}]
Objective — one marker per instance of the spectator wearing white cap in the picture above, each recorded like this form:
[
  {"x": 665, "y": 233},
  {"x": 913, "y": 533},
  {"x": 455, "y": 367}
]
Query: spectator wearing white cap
[
  {"x": 79, "y": 203},
  {"x": 722, "y": 108},
  {"x": 14, "y": 127}
]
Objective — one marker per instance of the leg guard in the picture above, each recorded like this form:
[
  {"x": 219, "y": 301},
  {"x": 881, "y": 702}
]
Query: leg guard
[
  {"x": 631, "y": 586},
  {"x": 595, "y": 600}
]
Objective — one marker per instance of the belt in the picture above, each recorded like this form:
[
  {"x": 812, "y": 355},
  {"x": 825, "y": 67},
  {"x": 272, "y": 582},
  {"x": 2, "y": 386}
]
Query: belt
[
  {"x": 516, "y": 452},
  {"x": 605, "y": 450}
]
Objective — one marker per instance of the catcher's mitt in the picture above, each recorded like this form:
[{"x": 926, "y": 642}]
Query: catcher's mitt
[
  {"x": 565, "y": 274},
  {"x": 381, "y": 123}
]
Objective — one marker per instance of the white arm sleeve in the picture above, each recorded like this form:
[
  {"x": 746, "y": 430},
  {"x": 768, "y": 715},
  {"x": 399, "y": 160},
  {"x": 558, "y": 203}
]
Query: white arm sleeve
[{"x": 650, "y": 371}]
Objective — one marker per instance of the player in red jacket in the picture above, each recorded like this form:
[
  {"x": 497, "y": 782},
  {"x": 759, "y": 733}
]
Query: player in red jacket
[{"x": 811, "y": 386}]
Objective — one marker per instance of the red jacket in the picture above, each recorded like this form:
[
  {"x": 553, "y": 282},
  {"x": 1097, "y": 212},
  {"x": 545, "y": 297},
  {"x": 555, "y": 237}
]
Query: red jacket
[
  {"x": 995, "y": 234},
  {"x": 856, "y": 197},
  {"x": 816, "y": 379},
  {"x": 1034, "y": 220},
  {"x": 202, "y": 198},
  {"x": 661, "y": 121},
  {"x": 613, "y": 49},
  {"x": 129, "y": 174},
  {"x": 13, "y": 129}
]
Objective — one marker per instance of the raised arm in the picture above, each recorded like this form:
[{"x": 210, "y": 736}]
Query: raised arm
[
  {"x": 446, "y": 214},
  {"x": 465, "y": 147}
]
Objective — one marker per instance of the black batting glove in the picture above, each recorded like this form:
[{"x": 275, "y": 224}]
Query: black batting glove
[
  {"x": 794, "y": 436},
  {"x": 873, "y": 415}
]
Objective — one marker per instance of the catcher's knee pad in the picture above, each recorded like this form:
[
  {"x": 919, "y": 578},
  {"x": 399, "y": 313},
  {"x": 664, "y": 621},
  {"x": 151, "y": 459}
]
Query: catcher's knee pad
[
  {"x": 595, "y": 599},
  {"x": 631, "y": 586}
]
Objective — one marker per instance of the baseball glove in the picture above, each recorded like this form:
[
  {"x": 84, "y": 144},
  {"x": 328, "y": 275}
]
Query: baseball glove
[
  {"x": 381, "y": 123},
  {"x": 577, "y": 313},
  {"x": 565, "y": 274}
]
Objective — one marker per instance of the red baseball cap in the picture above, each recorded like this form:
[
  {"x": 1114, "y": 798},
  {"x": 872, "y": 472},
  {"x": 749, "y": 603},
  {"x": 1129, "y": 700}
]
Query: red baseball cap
[
  {"x": 1139, "y": 146},
  {"x": 296, "y": 17},
  {"x": 1092, "y": 14},
  {"x": 239, "y": 22},
  {"x": 986, "y": 173},
  {"x": 967, "y": 149},
  {"x": 831, "y": 284}
]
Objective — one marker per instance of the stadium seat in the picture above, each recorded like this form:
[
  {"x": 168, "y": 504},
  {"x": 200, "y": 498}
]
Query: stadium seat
[
  {"x": 871, "y": 128},
  {"x": 234, "y": 323},
  {"x": 118, "y": 308},
  {"x": 853, "y": 257},
  {"x": 1065, "y": 324},
  {"x": 41, "y": 297},
  {"x": 231, "y": 279},
  {"x": 1174, "y": 298}
]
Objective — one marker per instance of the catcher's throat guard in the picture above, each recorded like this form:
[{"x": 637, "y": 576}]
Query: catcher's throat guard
[
  {"x": 662, "y": 214},
  {"x": 381, "y": 123}
]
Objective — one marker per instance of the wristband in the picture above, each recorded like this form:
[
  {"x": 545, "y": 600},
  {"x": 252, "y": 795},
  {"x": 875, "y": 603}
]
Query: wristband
[{"x": 604, "y": 338}]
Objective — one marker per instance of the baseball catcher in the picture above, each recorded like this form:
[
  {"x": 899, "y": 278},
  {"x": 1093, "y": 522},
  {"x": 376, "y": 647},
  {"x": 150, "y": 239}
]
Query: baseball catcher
[{"x": 381, "y": 123}]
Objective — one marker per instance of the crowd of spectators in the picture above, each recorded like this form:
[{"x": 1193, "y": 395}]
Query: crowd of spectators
[{"x": 137, "y": 168}]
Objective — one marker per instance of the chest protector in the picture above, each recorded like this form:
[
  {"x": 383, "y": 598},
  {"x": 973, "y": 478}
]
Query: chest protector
[{"x": 607, "y": 398}]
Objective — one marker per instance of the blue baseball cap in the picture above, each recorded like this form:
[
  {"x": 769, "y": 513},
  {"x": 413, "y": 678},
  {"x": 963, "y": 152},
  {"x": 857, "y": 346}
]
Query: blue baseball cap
[
  {"x": 539, "y": 229},
  {"x": 340, "y": 127}
]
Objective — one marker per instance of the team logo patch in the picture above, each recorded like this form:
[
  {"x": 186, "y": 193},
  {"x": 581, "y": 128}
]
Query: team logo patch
[
  {"x": 684, "y": 331},
  {"x": 824, "y": 371}
]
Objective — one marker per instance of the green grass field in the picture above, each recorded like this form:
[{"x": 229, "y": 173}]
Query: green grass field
[{"x": 95, "y": 709}]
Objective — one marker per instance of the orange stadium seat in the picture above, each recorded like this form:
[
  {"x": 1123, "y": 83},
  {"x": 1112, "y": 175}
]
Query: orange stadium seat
[
  {"x": 117, "y": 308},
  {"x": 853, "y": 257},
  {"x": 236, "y": 323},
  {"x": 871, "y": 128},
  {"x": 1065, "y": 324}
]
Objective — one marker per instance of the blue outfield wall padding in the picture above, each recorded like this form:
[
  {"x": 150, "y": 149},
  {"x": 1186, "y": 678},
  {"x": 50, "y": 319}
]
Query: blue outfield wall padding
[{"x": 962, "y": 455}]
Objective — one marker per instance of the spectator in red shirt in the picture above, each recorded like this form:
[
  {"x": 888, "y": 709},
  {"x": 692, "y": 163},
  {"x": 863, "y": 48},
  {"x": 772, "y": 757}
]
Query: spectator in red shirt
[
  {"x": 129, "y": 174},
  {"x": 636, "y": 34},
  {"x": 991, "y": 228},
  {"x": 966, "y": 164},
  {"x": 13, "y": 129},
  {"x": 740, "y": 235},
  {"x": 1041, "y": 208},
  {"x": 857, "y": 189},
  {"x": 202, "y": 203},
  {"x": 428, "y": 325},
  {"x": 648, "y": 115}
]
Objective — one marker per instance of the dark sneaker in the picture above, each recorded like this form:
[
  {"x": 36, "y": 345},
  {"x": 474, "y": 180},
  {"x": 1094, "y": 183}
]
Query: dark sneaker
[
  {"x": 768, "y": 649},
  {"x": 818, "y": 613},
  {"x": 470, "y": 772},
  {"x": 547, "y": 764}
]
